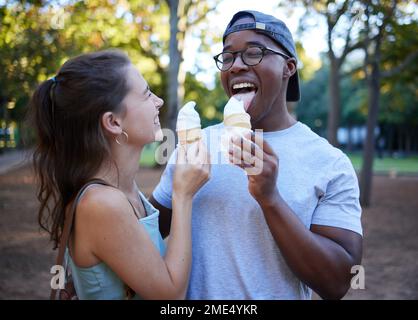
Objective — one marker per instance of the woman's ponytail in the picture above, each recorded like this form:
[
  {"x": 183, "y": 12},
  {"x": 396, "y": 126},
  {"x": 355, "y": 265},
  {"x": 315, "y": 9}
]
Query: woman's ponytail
[
  {"x": 44, "y": 160},
  {"x": 65, "y": 112}
]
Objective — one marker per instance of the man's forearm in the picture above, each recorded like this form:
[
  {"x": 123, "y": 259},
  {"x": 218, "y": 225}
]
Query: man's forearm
[
  {"x": 164, "y": 221},
  {"x": 321, "y": 263}
]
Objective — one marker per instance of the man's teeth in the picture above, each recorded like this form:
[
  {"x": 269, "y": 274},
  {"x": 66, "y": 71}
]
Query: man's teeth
[{"x": 243, "y": 85}]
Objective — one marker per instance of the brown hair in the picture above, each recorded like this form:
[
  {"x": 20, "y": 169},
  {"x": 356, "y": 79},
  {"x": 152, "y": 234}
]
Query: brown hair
[{"x": 71, "y": 145}]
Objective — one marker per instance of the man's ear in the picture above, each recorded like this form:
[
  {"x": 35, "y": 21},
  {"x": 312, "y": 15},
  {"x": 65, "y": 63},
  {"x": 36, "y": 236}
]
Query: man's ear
[
  {"x": 111, "y": 123},
  {"x": 290, "y": 68}
]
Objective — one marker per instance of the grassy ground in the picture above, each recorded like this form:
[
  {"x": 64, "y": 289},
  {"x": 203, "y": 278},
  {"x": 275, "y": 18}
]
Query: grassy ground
[
  {"x": 388, "y": 164},
  {"x": 384, "y": 165},
  {"x": 390, "y": 253}
]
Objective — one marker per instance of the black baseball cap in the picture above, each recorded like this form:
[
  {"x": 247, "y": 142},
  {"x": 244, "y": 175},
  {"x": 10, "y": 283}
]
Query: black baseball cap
[{"x": 277, "y": 31}]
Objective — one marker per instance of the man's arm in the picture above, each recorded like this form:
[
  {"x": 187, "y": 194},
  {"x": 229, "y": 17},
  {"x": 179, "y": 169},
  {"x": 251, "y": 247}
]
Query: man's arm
[
  {"x": 164, "y": 218},
  {"x": 321, "y": 256}
]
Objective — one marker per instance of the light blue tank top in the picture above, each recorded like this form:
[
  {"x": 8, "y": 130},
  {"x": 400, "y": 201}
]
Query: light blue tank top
[{"x": 99, "y": 282}]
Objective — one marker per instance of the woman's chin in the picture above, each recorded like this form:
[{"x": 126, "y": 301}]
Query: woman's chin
[{"x": 158, "y": 136}]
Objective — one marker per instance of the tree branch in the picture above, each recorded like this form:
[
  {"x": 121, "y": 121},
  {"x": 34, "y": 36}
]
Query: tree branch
[
  {"x": 199, "y": 18},
  {"x": 341, "y": 11},
  {"x": 394, "y": 71},
  {"x": 352, "y": 71}
]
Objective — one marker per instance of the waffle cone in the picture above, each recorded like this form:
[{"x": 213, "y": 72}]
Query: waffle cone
[
  {"x": 241, "y": 120},
  {"x": 189, "y": 136}
]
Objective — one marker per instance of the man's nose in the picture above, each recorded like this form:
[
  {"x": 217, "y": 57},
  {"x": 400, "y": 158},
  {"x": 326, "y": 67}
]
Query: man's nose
[{"x": 238, "y": 65}]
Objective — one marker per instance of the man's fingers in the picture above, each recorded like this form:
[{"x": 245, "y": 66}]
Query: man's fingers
[
  {"x": 248, "y": 146},
  {"x": 257, "y": 138},
  {"x": 241, "y": 156}
]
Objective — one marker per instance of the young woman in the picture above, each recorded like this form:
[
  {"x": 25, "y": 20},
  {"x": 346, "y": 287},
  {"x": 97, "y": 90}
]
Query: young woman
[{"x": 92, "y": 121}]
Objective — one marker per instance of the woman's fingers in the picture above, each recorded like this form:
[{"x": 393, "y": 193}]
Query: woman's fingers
[
  {"x": 196, "y": 153},
  {"x": 203, "y": 153},
  {"x": 181, "y": 154}
]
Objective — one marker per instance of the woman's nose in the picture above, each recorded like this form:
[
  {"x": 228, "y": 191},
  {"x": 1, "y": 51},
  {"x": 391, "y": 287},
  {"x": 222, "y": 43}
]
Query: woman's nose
[{"x": 158, "y": 102}]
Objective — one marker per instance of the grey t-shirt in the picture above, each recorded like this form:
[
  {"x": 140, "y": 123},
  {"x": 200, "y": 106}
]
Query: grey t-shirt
[{"x": 234, "y": 254}]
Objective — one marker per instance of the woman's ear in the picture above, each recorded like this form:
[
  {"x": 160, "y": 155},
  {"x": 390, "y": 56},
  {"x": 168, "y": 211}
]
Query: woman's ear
[
  {"x": 290, "y": 68},
  {"x": 111, "y": 123}
]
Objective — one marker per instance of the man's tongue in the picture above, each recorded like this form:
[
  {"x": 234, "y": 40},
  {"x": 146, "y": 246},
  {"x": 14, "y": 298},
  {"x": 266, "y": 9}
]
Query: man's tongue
[{"x": 246, "y": 98}]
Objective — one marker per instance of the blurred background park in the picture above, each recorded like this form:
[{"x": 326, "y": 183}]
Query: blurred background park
[{"x": 358, "y": 66}]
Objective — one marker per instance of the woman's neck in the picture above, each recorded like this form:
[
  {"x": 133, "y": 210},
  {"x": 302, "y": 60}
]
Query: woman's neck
[{"x": 121, "y": 170}]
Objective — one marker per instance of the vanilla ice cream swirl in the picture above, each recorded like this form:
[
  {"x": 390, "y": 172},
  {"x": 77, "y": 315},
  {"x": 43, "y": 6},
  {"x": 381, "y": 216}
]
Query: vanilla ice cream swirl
[{"x": 188, "y": 118}]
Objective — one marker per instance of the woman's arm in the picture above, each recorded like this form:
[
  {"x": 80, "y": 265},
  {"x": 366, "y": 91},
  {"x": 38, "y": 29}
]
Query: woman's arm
[{"x": 107, "y": 225}]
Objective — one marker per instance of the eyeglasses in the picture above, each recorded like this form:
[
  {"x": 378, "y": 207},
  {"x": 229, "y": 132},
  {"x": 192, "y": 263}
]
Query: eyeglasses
[{"x": 251, "y": 56}]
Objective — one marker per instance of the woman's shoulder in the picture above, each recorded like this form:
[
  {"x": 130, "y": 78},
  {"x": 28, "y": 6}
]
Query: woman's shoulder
[{"x": 102, "y": 200}]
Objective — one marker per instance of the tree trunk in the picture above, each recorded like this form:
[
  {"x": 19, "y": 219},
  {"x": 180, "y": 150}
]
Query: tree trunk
[
  {"x": 3, "y": 133},
  {"x": 174, "y": 67},
  {"x": 334, "y": 102},
  {"x": 350, "y": 138},
  {"x": 408, "y": 140},
  {"x": 400, "y": 139},
  {"x": 391, "y": 139},
  {"x": 368, "y": 151}
]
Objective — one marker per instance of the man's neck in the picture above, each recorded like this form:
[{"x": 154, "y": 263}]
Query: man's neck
[{"x": 275, "y": 121}]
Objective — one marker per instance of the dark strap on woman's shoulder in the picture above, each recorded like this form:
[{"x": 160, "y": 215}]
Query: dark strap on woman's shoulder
[
  {"x": 69, "y": 217},
  {"x": 68, "y": 223}
]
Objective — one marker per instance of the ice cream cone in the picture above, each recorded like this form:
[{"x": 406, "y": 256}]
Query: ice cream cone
[
  {"x": 235, "y": 116},
  {"x": 189, "y": 136},
  {"x": 240, "y": 120},
  {"x": 188, "y": 124}
]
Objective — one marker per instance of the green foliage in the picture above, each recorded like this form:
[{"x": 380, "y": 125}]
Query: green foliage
[
  {"x": 37, "y": 37},
  {"x": 399, "y": 94},
  {"x": 313, "y": 107},
  {"x": 307, "y": 65},
  {"x": 29, "y": 52},
  {"x": 209, "y": 102}
]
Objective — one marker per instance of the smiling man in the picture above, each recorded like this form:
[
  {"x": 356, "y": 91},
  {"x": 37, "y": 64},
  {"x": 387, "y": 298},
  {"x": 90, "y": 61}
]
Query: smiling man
[{"x": 295, "y": 226}]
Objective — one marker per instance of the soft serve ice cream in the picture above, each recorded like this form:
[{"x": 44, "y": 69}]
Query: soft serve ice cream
[
  {"x": 236, "y": 120},
  {"x": 188, "y": 124},
  {"x": 235, "y": 115}
]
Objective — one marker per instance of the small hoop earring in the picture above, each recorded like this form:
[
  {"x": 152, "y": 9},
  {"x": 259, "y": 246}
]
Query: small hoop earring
[{"x": 125, "y": 134}]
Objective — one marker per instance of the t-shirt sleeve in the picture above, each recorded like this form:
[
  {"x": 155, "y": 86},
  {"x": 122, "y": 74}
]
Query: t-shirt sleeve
[
  {"x": 339, "y": 206},
  {"x": 163, "y": 191}
]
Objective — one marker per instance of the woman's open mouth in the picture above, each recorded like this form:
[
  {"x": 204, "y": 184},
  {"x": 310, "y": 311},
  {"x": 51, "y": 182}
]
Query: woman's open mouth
[{"x": 157, "y": 120}]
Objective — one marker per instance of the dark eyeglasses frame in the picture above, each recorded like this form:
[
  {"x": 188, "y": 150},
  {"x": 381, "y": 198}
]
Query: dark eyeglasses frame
[{"x": 241, "y": 52}]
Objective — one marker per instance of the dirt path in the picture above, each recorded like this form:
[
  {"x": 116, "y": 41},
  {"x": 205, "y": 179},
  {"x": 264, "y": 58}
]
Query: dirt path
[{"x": 390, "y": 244}]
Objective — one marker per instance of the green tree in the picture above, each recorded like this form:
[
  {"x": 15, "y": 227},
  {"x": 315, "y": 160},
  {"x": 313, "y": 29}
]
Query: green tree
[
  {"x": 36, "y": 37},
  {"x": 312, "y": 109},
  {"x": 209, "y": 102},
  {"x": 381, "y": 18},
  {"x": 341, "y": 18},
  {"x": 184, "y": 15},
  {"x": 29, "y": 51}
]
